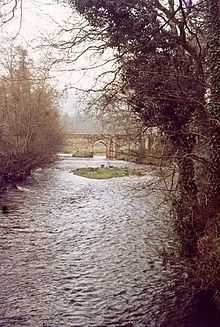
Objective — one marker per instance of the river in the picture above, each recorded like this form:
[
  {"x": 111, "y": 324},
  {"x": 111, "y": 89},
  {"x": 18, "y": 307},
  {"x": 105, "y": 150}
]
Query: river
[{"x": 86, "y": 253}]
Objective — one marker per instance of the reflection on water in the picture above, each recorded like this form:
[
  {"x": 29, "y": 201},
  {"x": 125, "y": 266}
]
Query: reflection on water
[{"x": 80, "y": 252}]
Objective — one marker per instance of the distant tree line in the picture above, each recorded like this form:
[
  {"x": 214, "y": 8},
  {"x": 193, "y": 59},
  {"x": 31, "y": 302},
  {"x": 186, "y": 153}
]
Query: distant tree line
[
  {"x": 30, "y": 129},
  {"x": 75, "y": 122}
]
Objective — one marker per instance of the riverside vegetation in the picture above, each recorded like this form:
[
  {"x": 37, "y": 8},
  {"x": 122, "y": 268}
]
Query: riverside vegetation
[{"x": 30, "y": 129}]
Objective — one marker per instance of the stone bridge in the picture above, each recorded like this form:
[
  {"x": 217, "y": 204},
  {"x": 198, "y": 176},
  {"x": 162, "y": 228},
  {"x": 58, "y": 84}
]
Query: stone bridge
[
  {"x": 118, "y": 146},
  {"x": 82, "y": 145}
]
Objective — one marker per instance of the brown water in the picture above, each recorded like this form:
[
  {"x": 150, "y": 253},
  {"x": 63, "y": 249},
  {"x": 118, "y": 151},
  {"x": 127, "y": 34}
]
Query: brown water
[{"x": 83, "y": 253}]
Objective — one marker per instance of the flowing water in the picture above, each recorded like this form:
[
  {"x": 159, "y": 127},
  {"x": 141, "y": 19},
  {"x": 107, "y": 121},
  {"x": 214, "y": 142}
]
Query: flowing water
[{"x": 79, "y": 252}]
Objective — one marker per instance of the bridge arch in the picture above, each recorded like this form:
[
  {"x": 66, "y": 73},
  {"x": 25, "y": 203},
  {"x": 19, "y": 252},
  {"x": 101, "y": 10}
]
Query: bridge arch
[
  {"x": 82, "y": 145},
  {"x": 100, "y": 147}
]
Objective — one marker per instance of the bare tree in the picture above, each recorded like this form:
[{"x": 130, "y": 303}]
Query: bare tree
[
  {"x": 8, "y": 10},
  {"x": 30, "y": 130}
]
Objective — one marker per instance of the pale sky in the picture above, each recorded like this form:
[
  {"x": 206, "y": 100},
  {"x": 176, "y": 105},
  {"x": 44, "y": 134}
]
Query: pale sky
[{"x": 41, "y": 19}]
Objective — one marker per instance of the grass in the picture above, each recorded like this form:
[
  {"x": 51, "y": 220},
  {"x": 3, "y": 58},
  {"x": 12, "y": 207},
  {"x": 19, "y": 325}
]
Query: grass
[{"x": 103, "y": 172}]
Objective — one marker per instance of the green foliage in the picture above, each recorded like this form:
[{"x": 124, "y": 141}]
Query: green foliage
[
  {"x": 208, "y": 259},
  {"x": 126, "y": 19},
  {"x": 213, "y": 49},
  {"x": 163, "y": 78}
]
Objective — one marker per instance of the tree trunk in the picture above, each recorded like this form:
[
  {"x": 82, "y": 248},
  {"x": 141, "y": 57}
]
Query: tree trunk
[
  {"x": 213, "y": 40},
  {"x": 188, "y": 226}
]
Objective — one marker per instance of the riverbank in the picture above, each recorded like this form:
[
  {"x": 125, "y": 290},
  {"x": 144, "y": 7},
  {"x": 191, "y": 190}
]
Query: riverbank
[
  {"x": 3, "y": 186},
  {"x": 11, "y": 179}
]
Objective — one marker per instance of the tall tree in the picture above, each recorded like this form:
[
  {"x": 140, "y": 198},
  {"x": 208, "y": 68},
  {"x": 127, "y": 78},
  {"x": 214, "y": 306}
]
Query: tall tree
[
  {"x": 161, "y": 60},
  {"x": 30, "y": 130}
]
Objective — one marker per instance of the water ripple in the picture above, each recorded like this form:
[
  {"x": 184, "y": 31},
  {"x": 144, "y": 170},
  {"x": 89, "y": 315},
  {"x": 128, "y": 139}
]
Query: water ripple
[{"x": 78, "y": 252}]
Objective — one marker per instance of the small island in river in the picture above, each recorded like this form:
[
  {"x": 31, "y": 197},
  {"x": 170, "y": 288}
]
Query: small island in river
[{"x": 106, "y": 172}]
